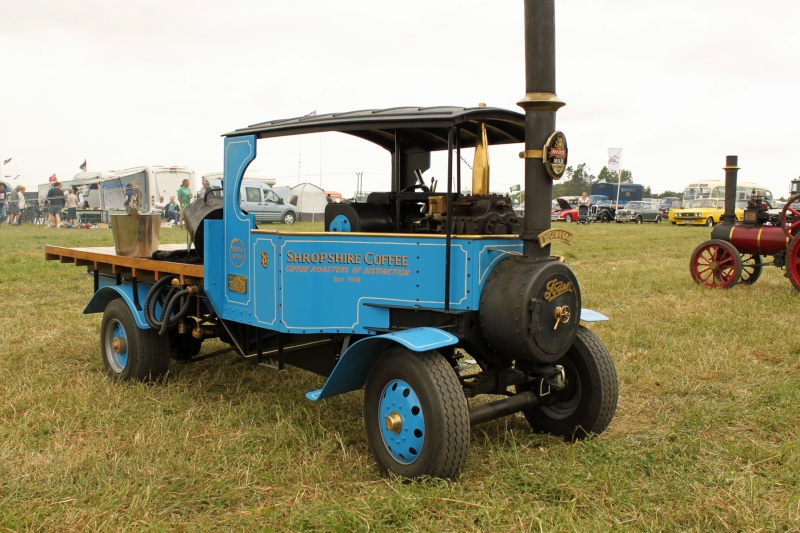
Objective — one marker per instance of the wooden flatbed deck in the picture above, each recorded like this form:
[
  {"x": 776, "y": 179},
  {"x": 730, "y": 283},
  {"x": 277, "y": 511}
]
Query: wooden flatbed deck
[{"x": 106, "y": 261}]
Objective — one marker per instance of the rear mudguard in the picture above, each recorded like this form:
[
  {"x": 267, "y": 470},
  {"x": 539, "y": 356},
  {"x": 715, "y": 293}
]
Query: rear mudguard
[
  {"x": 104, "y": 295},
  {"x": 350, "y": 373}
]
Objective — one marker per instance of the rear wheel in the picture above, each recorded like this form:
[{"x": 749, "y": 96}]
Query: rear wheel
[
  {"x": 716, "y": 264},
  {"x": 587, "y": 403},
  {"x": 790, "y": 217},
  {"x": 416, "y": 415},
  {"x": 658, "y": 220},
  {"x": 751, "y": 268},
  {"x": 129, "y": 352},
  {"x": 793, "y": 262}
]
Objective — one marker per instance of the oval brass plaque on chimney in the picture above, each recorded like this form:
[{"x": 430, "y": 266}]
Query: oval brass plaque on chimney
[{"x": 555, "y": 155}]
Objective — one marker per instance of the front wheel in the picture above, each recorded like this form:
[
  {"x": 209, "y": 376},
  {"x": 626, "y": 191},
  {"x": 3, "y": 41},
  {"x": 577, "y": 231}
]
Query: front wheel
[
  {"x": 568, "y": 218},
  {"x": 129, "y": 352},
  {"x": 716, "y": 264},
  {"x": 588, "y": 401},
  {"x": 638, "y": 220},
  {"x": 416, "y": 415},
  {"x": 710, "y": 222},
  {"x": 289, "y": 218}
]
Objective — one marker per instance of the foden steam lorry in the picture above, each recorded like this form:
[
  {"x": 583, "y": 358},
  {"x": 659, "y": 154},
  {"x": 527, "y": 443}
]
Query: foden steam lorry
[{"x": 397, "y": 293}]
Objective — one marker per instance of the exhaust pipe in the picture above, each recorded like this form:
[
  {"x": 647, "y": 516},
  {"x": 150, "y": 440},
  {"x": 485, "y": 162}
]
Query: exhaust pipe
[
  {"x": 523, "y": 401},
  {"x": 540, "y": 105}
]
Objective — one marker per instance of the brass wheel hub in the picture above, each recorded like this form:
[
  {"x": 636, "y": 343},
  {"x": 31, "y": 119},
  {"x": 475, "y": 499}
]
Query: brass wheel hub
[
  {"x": 119, "y": 345},
  {"x": 394, "y": 423}
]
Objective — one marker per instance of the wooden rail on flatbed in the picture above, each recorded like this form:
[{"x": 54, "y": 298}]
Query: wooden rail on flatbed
[{"x": 106, "y": 261}]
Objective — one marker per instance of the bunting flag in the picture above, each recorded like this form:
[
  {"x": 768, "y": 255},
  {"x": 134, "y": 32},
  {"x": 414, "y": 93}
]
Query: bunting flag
[
  {"x": 83, "y": 166},
  {"x": 53, "y": 178},
  {"x": 7, "y": 160},
  {"x": 312, "y": 113}
]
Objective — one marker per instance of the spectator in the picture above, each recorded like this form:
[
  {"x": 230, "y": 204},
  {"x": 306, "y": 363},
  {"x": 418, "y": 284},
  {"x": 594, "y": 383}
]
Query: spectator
[
  {"x": 172, "y": 210},
  {"x": 201, "y": 193},
  {"x": 184, "y": 198},
  {"x": 133, "y": 196},
  {"x": 55, "y": 198},
  {"x": 3, "y": 195},
  {"x": 72, "y": 208},
  {"x": 17, "y": 205}
]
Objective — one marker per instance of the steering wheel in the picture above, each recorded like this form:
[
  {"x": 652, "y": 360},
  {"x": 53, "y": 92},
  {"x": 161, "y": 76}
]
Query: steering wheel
[{"x": 790, "y": 217}]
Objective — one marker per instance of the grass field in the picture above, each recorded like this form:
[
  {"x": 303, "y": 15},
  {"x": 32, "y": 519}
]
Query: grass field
[{"x": 706, "y": 435}]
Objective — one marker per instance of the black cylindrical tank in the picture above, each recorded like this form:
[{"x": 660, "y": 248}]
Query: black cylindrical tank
[{"x": 530, "y": 310}]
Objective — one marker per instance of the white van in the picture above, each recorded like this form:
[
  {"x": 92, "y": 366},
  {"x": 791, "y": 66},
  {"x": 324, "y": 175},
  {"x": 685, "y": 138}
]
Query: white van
[{"x": 258, "y": 197}]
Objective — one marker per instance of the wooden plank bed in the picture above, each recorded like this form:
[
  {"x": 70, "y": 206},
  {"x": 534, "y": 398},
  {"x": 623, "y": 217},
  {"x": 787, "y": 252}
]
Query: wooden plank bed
[{"x": 105, "y": 261}]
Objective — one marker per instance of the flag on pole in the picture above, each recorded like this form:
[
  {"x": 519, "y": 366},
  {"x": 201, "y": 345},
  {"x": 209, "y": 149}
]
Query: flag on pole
[
  {"x": 53, "y": 178},
  {"x": 83, "y": 166},
  {"x": 7, "y": 160},
  {"x": 515, "y": 188},
  {"x": 614, "y": 156}
]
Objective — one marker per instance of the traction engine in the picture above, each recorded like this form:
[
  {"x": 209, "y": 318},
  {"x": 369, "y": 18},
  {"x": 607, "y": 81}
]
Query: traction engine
[{"x": 734, "y": 253}]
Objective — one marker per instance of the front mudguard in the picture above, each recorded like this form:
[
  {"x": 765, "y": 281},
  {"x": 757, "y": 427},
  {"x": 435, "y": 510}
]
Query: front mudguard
[{"x": 351, "y": 372}]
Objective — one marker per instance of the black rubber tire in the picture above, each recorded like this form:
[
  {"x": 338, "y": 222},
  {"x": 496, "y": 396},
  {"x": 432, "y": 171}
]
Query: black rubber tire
[
  {"x": 147, "y": 352},
  {"x": 638, "y": 220},
  {"x": 568, "y": 218},
  {"x": 289, "y": 218},
  {"x": 443, "y": 407},
  {"x": 587, "y": 404},
  {"x": 658, "y": 220},
  {"x": 709, "y": 222}
]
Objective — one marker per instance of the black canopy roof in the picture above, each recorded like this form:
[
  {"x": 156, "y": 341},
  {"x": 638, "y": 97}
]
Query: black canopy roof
[{"x": 423, "y": 128}]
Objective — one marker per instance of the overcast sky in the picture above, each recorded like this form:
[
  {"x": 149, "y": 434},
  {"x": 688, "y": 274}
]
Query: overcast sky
[{"x": 678, "y": 85}]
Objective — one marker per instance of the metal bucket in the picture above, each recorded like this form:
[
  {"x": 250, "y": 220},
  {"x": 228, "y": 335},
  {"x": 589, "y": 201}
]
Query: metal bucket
[{"x": 135, "y": 235}]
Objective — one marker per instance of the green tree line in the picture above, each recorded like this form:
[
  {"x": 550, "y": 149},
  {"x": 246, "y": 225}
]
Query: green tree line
[{"x": 578, "y": 179}]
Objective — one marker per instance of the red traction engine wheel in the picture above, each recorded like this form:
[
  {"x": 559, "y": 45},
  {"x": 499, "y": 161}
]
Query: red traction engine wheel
[
  {"x": 716, "y": 264},
  {"x": 793, "y": 262},
  {"x": 790, "y": 217}
]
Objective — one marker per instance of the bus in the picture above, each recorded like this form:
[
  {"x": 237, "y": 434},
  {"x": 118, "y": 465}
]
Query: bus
[
  {"x": 716, "y": 189},
  {"x": 628, "y": 192}
]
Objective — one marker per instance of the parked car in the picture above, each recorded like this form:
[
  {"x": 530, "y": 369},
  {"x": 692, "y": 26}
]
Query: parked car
[
  {"x": 258, "y": 197},
  {"x": 639, "y": 212},
  {"x": 604, "y": 211},
  {"x": 705, "y": 212},
  {"x": 667, "y": 203},
  {"x": 567, "y": 212}
]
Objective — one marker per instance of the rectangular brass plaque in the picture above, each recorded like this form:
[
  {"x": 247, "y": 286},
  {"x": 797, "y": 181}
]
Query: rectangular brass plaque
[{"x": 237, "y": 283}]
